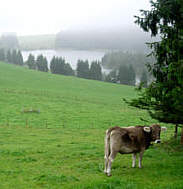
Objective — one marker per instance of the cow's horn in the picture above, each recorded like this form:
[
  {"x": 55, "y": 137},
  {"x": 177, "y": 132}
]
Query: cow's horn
[
  {"x": 163, "y": 128},
  {"x": 147, "y": 129}
]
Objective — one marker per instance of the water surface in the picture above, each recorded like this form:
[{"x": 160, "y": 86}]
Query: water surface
[{"x": 71, "y": 56}]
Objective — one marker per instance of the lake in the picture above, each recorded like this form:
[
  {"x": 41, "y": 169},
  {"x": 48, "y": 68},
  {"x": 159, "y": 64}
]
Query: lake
[{"x": 71, "y": 56}]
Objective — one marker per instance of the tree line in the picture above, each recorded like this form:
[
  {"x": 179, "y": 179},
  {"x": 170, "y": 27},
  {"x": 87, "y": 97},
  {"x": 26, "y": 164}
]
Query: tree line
[
  {"x": 11, "y": 56},
  {"x": 58, "y": 65},
  {"x": 89, "y": 72},
  {"x": 124, "y": 75},
  {"x": 126, "y": 66}
]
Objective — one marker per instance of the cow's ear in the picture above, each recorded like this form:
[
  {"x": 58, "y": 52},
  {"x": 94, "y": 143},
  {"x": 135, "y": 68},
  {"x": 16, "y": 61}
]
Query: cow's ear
[
  {"x": 163, "y": 128},
  {"x": 147, "y": 129}
]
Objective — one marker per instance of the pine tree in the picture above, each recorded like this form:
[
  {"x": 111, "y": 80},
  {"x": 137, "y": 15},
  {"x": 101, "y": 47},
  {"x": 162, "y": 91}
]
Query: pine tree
[
  {"x": 61, "y": 65},
  {"x": 20, "y": 58},
  {"x": 14, "y": 57},
  {"x": 83, "y": 69},
  {"x": 53, "y": 65},
  {"x": 143, "y": 79},
  {"x": 132, "y": 76},
  {"x": 163, "y": 97},
  {"x": 45, "y": 64},
  {"x": 58, "y": 66},
  {"x": 9, "y": 56},
  {"x": 41, "y": 63},
  {"x": 95, "y": 71},
  {"x": 31, "y": 62},
  {"x": 112, "y": 77},
  {"x": 68, "y": 70},
  {"x": 2, "y": 55},
  {"x": 124, "y": 75}
]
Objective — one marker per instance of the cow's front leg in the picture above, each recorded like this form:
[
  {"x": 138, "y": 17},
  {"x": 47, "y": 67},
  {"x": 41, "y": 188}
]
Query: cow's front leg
[
  {"x": 140, "y": 158},
  {"x": 133, "y": 159}
]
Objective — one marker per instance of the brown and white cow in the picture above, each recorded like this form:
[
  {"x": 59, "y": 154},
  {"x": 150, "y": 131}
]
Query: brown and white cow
[{"x": 127, "y": 140}]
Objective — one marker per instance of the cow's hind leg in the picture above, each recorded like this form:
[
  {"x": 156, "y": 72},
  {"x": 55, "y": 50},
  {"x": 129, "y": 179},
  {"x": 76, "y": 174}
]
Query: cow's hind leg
[
  {"x": 107, "y": 151},
  {"x": 140, "y": 158},
  {"x": 110, "y": 160},
  {"x": 106, "y": 164},
  {"x": 134, "y": 159}
]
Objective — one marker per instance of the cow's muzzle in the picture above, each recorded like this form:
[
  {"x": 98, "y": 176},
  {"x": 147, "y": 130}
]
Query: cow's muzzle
[{"x": 157, "y": 141}]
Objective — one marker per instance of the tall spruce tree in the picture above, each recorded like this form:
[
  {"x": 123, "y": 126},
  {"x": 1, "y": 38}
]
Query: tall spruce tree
[
  {"x": 20, "y": 58},
  {"x": 53, "y": 65},
  {"x": 83, "y": 70},
  {"x": 45, "y": 64},
  {"x": 164, "y": 96},
  {"x": 143, "y": 79},
  {"x": 132, "y": 76},
  {"x": 14, "y": 56},
  {"x": 112, "y": 76},
  {"x": 41, "y": 63},
  {"x": 95, "y": 71},
  {"x": 61, "y": 65},
  {"x": 58, "y": 66},
  {"x": 2, "y": 55},
  {"x": 31, "y": 63},
  {"x": 9, "y": 56},
  {"x": 68, "y": 70},
  {"x": 124, "y": 75}
]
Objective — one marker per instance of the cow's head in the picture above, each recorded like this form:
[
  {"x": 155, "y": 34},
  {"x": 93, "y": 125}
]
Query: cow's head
[{"x": 155, "y": 131}]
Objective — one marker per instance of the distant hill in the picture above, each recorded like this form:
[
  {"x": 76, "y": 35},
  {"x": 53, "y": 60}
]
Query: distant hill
[
  {"x": 9, "y": 41},
  {"x": 34, "y": 42},
  {"x": 128, "y": 39}
]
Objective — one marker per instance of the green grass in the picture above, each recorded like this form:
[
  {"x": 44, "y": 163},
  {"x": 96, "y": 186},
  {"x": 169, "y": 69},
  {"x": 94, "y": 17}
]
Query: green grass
[{"x": 62, "y": 144}]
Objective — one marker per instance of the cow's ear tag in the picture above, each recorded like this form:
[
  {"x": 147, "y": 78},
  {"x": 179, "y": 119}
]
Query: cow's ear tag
[
  {"x": 163, "y": 128},
  {"x": 147, "y": 129}
]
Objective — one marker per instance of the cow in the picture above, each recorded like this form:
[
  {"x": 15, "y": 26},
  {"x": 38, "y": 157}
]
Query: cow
[{"x": 129, "y": 140}]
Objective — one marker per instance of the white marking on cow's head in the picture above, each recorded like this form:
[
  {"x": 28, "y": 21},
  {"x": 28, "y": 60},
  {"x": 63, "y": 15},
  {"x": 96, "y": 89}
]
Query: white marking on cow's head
[
  {"x": 157, "y": 141},
  {"x": 156, "y": 130},
  {"x": 147, "y": 129}
]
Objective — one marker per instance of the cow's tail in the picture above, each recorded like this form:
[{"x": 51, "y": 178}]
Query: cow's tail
[
  {"x": 107, "y": 151},
  {"x": 107, "y": 144}
]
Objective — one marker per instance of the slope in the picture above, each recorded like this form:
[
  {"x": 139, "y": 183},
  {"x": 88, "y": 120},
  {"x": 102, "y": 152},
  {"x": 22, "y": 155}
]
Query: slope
[
  {"x": 60, "y": 144},
  {"x": 61, "y": 100}
]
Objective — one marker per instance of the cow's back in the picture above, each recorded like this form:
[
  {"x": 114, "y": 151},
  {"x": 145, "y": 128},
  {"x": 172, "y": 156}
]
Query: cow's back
[{"x": 128, "y": 139}]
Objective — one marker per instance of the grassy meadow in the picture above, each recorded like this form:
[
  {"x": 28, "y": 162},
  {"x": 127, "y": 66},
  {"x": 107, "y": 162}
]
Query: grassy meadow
[{"x": 52, "y": 130}]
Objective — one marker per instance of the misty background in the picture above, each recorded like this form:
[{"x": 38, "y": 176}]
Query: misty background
[
  {"x": 101, "y": 31},
  {"x": 80, "y": 24},
  {"x": 50, "y": 17}
]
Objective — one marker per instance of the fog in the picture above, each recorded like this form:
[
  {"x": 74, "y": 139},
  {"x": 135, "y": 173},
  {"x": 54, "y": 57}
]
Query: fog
[{"x": 50, "y": 17}]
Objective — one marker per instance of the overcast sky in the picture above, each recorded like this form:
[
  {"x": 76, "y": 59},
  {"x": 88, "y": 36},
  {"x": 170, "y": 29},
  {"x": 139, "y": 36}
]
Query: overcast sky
[{"x": 51, "y": 16}]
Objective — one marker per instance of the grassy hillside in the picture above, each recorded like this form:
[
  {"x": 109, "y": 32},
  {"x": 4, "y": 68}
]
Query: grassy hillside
[
  {"x": 61, "y": 144},
  {"x": 62, "y": 100}
]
